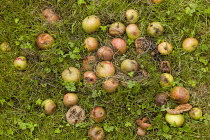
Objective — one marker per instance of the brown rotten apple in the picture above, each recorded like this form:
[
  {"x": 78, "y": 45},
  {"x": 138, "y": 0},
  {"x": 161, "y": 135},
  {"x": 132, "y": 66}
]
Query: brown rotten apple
[
  {"x": 98, "y": 114},
  {"x": 71, "y": 74},
  {"x": 89, "y": 77},
  {"x": 110, "y": 85},
  {"x": 105, "y": 69},
  {"x": 179, "y": 95},
  {"x": 119, "y": 46},
  {"x": 50, "y": 15},
  {"x": 45, "y": 41},
  {"x": 96, "y": 133},
  {"x": 89, "y": 62},
  {"x": 117, "y": 28},
  {"x": 91, "y": 24},
  {"x": 75, "y": 114},
  {"x": 161, "y": 99},
  {"x": 105, "y": 53}
]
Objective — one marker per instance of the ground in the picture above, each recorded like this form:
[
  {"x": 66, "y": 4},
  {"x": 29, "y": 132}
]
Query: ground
[{"x": 21, "y": 92}]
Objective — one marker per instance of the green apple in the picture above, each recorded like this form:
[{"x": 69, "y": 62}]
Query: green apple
[
  {"x": 166, "y": 80},
  {"x": 5, "y": 47},
  {"x": 190, "y": 44},
  {"x": 48, "y": 106},
  {"x": 132, "y": 15},
  {"x": 175, "y": 120},
  {"x": 20, "y": 63},
  {"x": 165, "y": 48},
  {"x": 71, "y": 74},
  {"x": 155, "y": 29},
  {"x": 91, "y": 24},
  {"x": 195, "y": 113},
  {"x": 129, "y": 66},
  {"x": 132, "y": 31}
]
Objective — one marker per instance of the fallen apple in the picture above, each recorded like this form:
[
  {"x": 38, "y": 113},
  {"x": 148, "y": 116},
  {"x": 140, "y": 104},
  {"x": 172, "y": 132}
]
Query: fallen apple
[
  {"x": 20, "y": 63},
  {"x": 132, "y": 15},
  {"x": 75, "y": 115},
  {"x": 165, "y": 48},
  {"x": 91, "y": 44},
  {"x": 161, "y": 99},
  {"x": 105, "y": 53},
  {"x": 91, "y": 24},
  {"x": 96, "y": 133},
  {"x": 119, "y": 46},
  {"x": 89, "y": 62},
  {"x": 195, "y": 113},
  {"x": 179, "y": 95},
  {"x": 89, "y": 77},
  {"x": 71, "y": 74},
  {"x": 166, "y": 80},
  {"x": 157, "y": 1},
  {"x": 176, "y": 120},
  {"x": 190, "y": 44},
  {"x": 50, "y": 16},
  {"x": 70, "y": 99},
  {"x": 117, "y": 28},
  {"x": 105, "y": 69},
  {"x": 110, "y": 85},
  {"x": 98, "y": 114},
  {"x": 48, "y": 106},
  {"x": 45, "y": 41},
  {"x": 5, "y": 47},
  {"x": 155, "y": 29},
  {"x": 132, "y": 31},
  {"x": 129, "y": 66}
]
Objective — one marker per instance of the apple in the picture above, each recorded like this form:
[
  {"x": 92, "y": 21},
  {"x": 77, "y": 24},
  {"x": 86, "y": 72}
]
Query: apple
[
  {"x": 89, "y": 77},
  {"x": 98, "y": 114},
  {"x": 117, "y": 28},
  {"x": 190, "y": 44},
  {"x": 195, "y": 113},
  {"x": 105, "y": 53},
  {"x": 110, "y": 85},
  {"x": 155, "y": 29},
  {"x": 157, "y": 1},
  {"x": 20, "y": 63},
  {"x": 91, "y": 24},
  {"x": 132, "y": 31},
  {"x": 71, "y": 74},
  {"x": 50, "y": 15},
  {"x": 179, "y": 95},
  {"x": 129, "y": 66},
  {"x": 176, "y": 120},
  {"x": 165, "y": 48},
  {"x": 96, "y": 133},
  {"x": 48, "y": 106},
  {"x": 165, "y": 66},
  {"x": 45, "y": 41},
  {"x": 70, "y": 99},
  {"x": 5, "y": 47},
  {"x": 132, "y": 15},
  {"x": 166, "y": 80},
  {"x": 161, "y": 99},
  {"x": 89, "y": 62},
  {"x": 91, "y": 44},
  {"x": 75, "y": 115},
  {"x": 119, "y": 46},
  {"x": 105, "y": 69}
]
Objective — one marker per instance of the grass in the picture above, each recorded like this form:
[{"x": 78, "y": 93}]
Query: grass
[{"x": 21, "y": 93}]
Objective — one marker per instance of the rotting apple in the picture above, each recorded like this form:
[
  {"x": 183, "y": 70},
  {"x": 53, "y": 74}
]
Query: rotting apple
[
  {"x": 71, "y": 74},
  {"x": 5, "y": 47},
  {"x": 132, "y": 15},
  {"x": 176, "y": 120},
  {"x": 110, "y": 85},
  {"x": 75, "y": 115},
  {"x": 165, "y": 48},
  {"x": 48, "y": 106},
  {"x": 105, "y": 53},
  {"x": 190, "y": 44},
  {"x": 155, "y": 29},
  {"x": 166, "y": 80},
  {"x": 49, "y": 15},
  {"x": 91, "y": 44},
  {"x": 91, "y": 24},
  {"x": 96, "y": 133},
  {"x": 179, "y": 95},
  {"x": 105, "y": 69},
  {"x": 45, "y": 41},
  {"x": 89, "y": 62},
  {"x": 70, "y": 99},
  {"x": 20, "y": 63},
  {"x": 132, "y": 31},
  {"x": 98, "y": 114},
  {"x": 89, "y": 77},
  {"x": 129, "y": 66},
  {"x": 117, "y": 28},
  {"x": 195, "y": 113},
  {"x": 161, "y": 99},
  {"x": 119, "y": 45}
]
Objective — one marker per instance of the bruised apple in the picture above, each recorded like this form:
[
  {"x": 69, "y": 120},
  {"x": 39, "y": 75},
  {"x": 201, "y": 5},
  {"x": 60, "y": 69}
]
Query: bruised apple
[
  {"x": 166, "y": 80},
  {"x": 117, "y": 28},
  {"x": 89, "y": 62},
  {"x": 129, "y": 66},
  {"x": 105, "y": 53},
  {"x": 110, "y": 85},
  {"x": 165, "y": 48},
  {"x": 195, "y": 113},
  {"x": 45, "y": 41},
  {"x": 155, "y": 29},
  {"x": 91, "y": 44},
  {"x": 190, "y": 44},
  {"x": 49, "y": 15},
  {"x": 132, "y": 15},
  {"x": 105, "y": 69},
  {"x": 48, "y": 106},
  {"x": 132, "y": 31},
  {"x": 98, "y": 114},
  {"x": 119, "y": 46},
  {"x": 71, "y": 74},
  {"x": 5, "y": 47},
  {"x": 91, "y": 24},
  {"x": 96, "y": 133},
  {"x": 161, "y": 99},
  {"x": 20, "y": 63},
  {"x": 179, "y": 95},
  {"x": 70, "y": 99},
  {"x": 89, "y": 77}
]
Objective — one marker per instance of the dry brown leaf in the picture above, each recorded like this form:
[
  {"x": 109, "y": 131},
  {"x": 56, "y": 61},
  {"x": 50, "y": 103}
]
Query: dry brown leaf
[{"x": 179, "y": 109}]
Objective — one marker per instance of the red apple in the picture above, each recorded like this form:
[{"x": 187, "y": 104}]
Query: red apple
[
  {"x": 132, "y": 15},
  {"x": 5, "y": 47},
  {"x": 190, "y": 44},
  {"x": 155, "y": 29},
  {"x": 119, "y": 46},
  {"x": 166, "y": 80},
  {"x": 89, "y": 77},
  {"x": 117, "y": 28},
  {"x": 96, "y": 133},
  {"x": 176, "y": 120},
  {"x": 195, "y": 113},
  {"x": 132, "y": 31},
  {"x": 71, "y": 74},
  {"x": 20, "y": 63},
  {"x": 165, "y": 48},
  {"x": 50, "y": 15},
  {"x": 98, "y": 114},
  {"x": 70, "y": 99},
  {"x": 110, "y": 85},
  {"x": 105, "y": 53},
  {"x": 129, "y": 66},
  {"x": 89, "y": 62},
  {"x": 91, "y": 44},
  {"x": 91, "y": 24},
  {"x": 179, "y": 95},
  {"x": 105, "y": 69},
  {"x": 48, "y": 106},
  {"x": 45, "y": 41}
]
